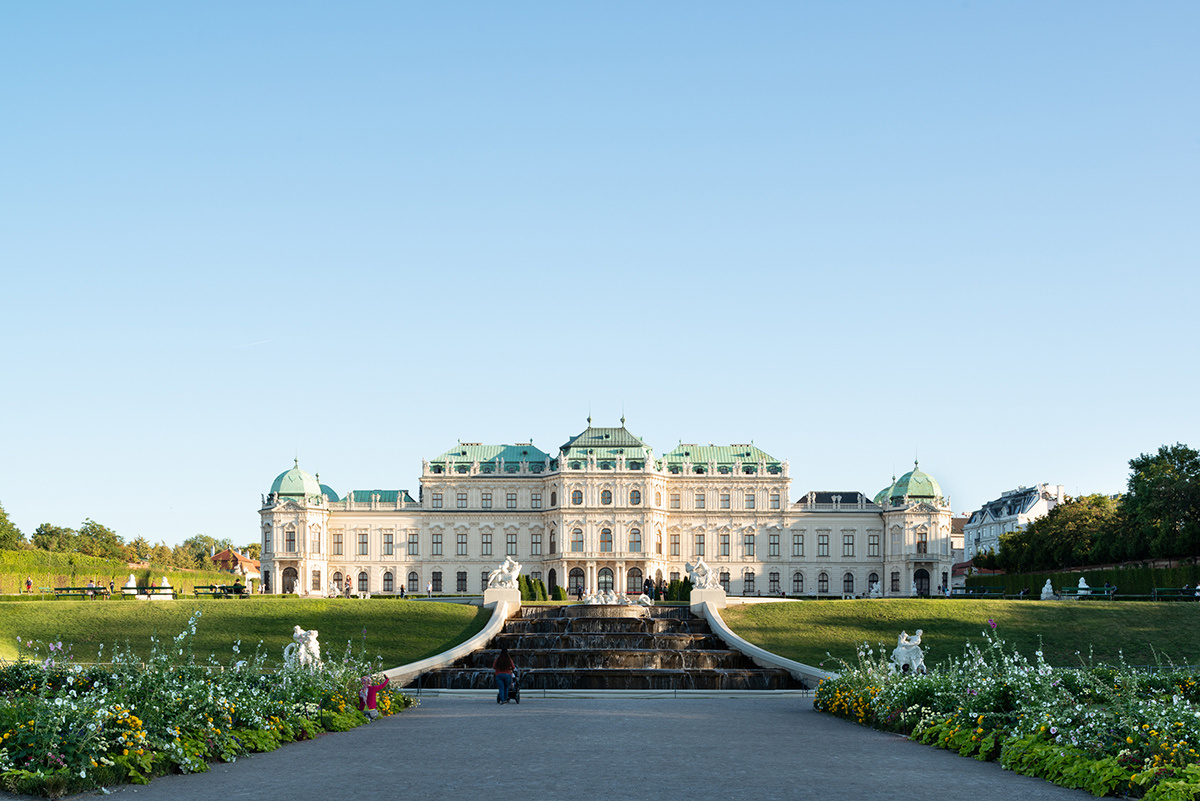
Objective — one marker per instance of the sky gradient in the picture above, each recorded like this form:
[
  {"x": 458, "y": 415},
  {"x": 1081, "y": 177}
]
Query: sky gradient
[{"x": 354, "y": 233}]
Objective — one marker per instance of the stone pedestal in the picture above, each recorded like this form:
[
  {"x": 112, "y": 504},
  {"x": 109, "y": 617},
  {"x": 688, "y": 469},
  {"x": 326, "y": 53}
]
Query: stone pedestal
[
  {"x": 700, "y": 597},
  {"x": 494, "y": 595}
]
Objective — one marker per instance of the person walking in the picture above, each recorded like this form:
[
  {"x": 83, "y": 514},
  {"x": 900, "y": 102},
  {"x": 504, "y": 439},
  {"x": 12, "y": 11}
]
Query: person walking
[
  {"x": 28, "y": 584},
  {"x": 429, "y": 589},
  {"x": 504, "y": 668}
]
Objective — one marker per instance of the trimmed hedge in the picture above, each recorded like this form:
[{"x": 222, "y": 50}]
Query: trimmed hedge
[
  {"x": 1128, "y": 580},
  {"x": 54, "y": 569}
]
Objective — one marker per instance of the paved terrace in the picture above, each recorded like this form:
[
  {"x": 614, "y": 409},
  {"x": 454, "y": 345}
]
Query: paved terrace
[{"x": 579, "y": 749}]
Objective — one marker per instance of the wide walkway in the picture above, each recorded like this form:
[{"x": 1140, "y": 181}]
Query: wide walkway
[{"x": 552, "y": 749}]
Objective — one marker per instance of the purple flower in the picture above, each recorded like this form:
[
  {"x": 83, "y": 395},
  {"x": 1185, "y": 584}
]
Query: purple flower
[{"x": 992, "y": 623}]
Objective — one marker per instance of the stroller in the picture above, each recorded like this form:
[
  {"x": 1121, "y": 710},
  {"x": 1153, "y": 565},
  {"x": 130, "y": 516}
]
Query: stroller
[{"x": 514, "y": 691}]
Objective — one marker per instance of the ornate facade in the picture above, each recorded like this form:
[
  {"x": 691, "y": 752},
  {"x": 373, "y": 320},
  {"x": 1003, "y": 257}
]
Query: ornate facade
[{"x": 605, "y": 513}]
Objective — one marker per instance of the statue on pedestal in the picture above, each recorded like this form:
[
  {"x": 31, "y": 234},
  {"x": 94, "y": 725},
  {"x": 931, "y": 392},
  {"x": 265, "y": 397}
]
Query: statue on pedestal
[
  {"x": 505, "y": 576},
  {"x": 703, "y": 578},
  {"x": 907, "y": 657},
  {"x": 1047, "y": 591}
]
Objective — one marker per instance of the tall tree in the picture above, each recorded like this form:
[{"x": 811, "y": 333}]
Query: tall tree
[
  {"x": 97, "y": 540},
  {"x": 253, "y": 550},
  {"x": 198, "y": 550},
  {"x": 1163, "y": 502},
  {"x": 11, "y": 538},
  {"x": 49, "y": 537}
]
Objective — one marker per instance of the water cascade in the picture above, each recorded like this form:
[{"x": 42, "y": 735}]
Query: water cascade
[{"x": 611, "y": 648}]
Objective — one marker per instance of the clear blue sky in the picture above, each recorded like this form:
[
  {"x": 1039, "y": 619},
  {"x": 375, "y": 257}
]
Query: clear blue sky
[{"x": 236, "y": 233}]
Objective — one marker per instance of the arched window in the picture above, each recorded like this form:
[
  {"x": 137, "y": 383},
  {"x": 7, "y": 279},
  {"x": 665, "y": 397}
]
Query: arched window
[
  {"x": 848, "y": 584},
  {"x": 797, "y": 583},
  {"x": 658, "y": 499},
  {"x": 414, "y": 582},
  {"x": 633, "y": 581},
  {"x": 553, "y": 541},
  {"x": 604, "y": 579},
  {"x": 748, "y": 582},
  {"x": 337, "y": 578},
  {"x": 575, "y": 579},
  {"x": 553, "y": 498},
  {"x": 577, "y": 540},
  {"x": 773, "y": 583},
  {"x": 266, "y": 580},
  {"x": 823, "y": 583},
  {"x": 635, "y": 497},
  {"x": 606, "y": 497},
  {"x": 576, "y": 497},
  {"x": 290, "y": 579},
  {"x": 725, "y": 580},
  {"x": 873, "y": 579},
  {"x": 635, "y": 540},
  {"x": 362, "y": 582},
  {"x": 388, "y": 583},
  {"x": 606, "y": 544},
  {"x": 552, "y": 576}
]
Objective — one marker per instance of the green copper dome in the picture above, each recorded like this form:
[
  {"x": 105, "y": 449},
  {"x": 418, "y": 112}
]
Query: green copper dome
[
  {"x": 296, "y": 483},
  {"x": 916, "y": 484},
  {"x": 884, "y": 495}
]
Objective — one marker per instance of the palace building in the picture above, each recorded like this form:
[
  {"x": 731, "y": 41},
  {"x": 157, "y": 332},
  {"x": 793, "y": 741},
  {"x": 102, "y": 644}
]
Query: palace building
[{"x": 604, "y": 512}]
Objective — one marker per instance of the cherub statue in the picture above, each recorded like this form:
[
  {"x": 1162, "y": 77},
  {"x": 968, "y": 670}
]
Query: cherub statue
[
  {"x": 907, "y": 658},
  {"x": 304, "y": 651}
]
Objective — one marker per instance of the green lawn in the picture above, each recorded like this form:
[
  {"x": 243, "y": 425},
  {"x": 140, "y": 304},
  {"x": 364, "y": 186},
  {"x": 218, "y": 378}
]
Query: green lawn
[
  {"x": 806, "y": 631},
  {"x": 399, "y": 631}
]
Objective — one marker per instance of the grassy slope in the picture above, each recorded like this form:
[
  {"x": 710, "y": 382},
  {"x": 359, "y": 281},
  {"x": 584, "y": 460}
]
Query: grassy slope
[
  {"x": 400, "y": 631},
  {"x": 805, "y": 631}
]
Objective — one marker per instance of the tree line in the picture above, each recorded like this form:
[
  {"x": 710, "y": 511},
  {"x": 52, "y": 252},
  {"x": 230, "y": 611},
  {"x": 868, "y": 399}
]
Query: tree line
[
  {"x": 94, "y": 539},
  {"x": 1158, "y": 517}
]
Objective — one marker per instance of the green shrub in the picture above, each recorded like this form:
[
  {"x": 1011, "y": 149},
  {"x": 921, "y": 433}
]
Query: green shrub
[{"x": 560, "y": 593}]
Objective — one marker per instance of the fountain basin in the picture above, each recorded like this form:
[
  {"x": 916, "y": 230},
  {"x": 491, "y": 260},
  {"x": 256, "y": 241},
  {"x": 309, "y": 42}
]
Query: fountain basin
[{"x": 606, "y": 610}]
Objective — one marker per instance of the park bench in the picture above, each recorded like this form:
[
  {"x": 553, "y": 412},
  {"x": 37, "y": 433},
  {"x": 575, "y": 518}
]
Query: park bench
[
  {"x": 77, "y": 592},
  {"x": 1106, "y": 593},
  {"x": 976, "y": 592},
  {"x": 157, "y": 591},
  {"x": 219, "y": 591},
  {"x": 1175, "y": 594}
]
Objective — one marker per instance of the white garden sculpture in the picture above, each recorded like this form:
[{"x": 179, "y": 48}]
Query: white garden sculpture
[
  {"x": 1047, "y": 591},
  {"x": 304, "y": 651},
  {"x": 702, "y": 576},
  {"x": 907, "y": 658},
  {"x": 505, "y": 576}
]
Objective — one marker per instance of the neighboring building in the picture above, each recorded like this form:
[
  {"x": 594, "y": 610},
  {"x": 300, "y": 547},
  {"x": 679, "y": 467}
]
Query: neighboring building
[
  {"x": 237, "y": 563},
  {"x": 1013, "y": 510},
  {"x": 605, "y": 513}
]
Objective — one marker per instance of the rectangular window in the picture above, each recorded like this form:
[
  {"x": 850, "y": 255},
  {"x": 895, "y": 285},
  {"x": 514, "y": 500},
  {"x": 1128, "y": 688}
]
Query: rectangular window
[
  {"x": 674, "y": 500},
  {"x": 535, "y": 500},
  {"x": 289, "y": 540},
  {"x": 748, "y": 583},
  {"x": 577, "y": 541},
  {"x": 483, "y": 580},
  {"x": 847, "y": 544},
  {"x": 895, "y": 582},
  {"x": 462, "y": 547},
  {"x": 436, "y": 550},
  {"x": 486, "y": 548},
  {"x": 510, "y": 500},
  {"x": 437, "y": 581},
  {"x": 511, "y": 543},
  {"x": 773, "y": 545},
  {"x": 872, "y": 545},
  {"x": 749, "y": 501},
  {"x": 699, "y": 546},
  {"x": 486, "y": 501},
  {"x": 461, "y": 581},
  {"x": 536, "y": 575},
  {"x": 774, "y": 500},
  {"x": 462, "y": 500},
  {"x": 748, "y": 545},
  {"x": 362, "y": 543},
  {"x": 797, "y": 544},
  {"x": 699, "y": 500},
  {"x": 674, "y": 575},
  {"x": 414, "y": 544},
  {"x": 773, "y": 583},
  {"x": 823, "y": 543},
  {"x": 675, "y": 543},
  {"x": 535, "y": 544},
  {"x": 724, "y": 500},
  {"x": 437, "y": 500},
  {"x": 337, "y": 543},
  {"x": 387, "y": 543},
  {"x": 725, "y": 544}
]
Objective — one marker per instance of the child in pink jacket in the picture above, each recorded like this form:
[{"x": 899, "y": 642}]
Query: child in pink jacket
[{"x": 366, "y": 697}]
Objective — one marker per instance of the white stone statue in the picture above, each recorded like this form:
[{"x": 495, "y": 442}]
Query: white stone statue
[
  {"x": 167, "y": 585},
  {"x": 914, "y": 589},
  {"x": 505, "y": 576},
  {"x": 645, "y": 600},
  {"x": 1047, "y": 591},
  {"x": 130, "y": 587},
  {"x": 304, "y": 651},
  {"x": 1084, "y": 589},
  {"x": 907, "y": 658},
  {"x": 875, "y": 592},
  {"x": 703, "y": 578}
]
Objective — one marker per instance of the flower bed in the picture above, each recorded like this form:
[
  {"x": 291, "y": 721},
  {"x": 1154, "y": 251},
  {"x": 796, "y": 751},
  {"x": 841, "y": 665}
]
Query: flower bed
[
  {"x": 1104, "y": 729},
  {"x": 66, "y": 727}
]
